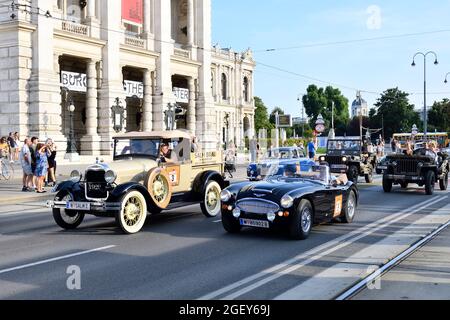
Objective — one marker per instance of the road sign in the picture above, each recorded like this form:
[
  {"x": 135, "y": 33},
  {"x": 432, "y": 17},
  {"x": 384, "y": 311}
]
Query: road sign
[{"x": 284, "y": 121}]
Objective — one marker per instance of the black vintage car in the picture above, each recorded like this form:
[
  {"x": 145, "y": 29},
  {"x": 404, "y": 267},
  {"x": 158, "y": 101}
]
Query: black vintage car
[
  {"x": 347, "y": 155},
  {"x": 424, "y": 168},
  {"x": 295, "y": 201}
]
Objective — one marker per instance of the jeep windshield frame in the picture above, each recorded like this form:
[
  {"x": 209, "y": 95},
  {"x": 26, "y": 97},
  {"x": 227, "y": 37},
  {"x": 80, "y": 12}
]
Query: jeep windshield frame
[{"x": 342, "y": 147}]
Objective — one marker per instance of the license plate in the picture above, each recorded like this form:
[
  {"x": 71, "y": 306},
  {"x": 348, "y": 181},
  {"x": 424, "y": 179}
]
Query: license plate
[
  {"x": 81, "y": 206},
  {"x": 254, "y": 223}
]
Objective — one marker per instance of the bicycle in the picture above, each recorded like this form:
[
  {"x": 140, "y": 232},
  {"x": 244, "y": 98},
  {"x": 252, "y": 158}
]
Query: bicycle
[{"x": 6, "y": 169}]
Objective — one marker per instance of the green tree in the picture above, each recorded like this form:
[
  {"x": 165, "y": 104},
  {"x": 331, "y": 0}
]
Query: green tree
[
  {"x": 261, "y": 116},
  {"x": 439, "y": 116},
  {"x": 397, "y": 113},
  {"x": 320, "y": 101}
]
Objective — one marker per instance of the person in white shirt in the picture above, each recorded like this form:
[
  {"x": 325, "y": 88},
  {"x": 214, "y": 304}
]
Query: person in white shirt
[{"x": 25, "y": 161}]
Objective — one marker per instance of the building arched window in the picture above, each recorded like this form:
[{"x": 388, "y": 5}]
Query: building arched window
[
  {"x": 246, "y": 91},
  {"x": 224, "y": 87},
  {"x": 213, "y": 85}
]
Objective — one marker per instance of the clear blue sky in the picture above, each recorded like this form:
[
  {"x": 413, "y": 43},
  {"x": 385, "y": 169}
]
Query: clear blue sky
[{"x": 368, "y": 66}]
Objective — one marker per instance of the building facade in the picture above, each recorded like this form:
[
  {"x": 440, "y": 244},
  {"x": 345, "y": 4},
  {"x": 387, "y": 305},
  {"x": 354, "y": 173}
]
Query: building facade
[
  {"x": 142, "y": 55},
  {"x": 360, "y": 107}
]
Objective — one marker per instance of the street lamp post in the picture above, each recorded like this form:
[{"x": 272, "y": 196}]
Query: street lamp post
[
  {"x": 425, "y": 124},
  {"x": 446, "y": 77},
  {"x": 303, "y": 115},
  {"x": 71, "y": 150}
]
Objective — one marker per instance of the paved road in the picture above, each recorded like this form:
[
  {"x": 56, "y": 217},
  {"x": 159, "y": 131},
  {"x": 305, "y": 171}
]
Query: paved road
[{"x": 182, "y": 255}]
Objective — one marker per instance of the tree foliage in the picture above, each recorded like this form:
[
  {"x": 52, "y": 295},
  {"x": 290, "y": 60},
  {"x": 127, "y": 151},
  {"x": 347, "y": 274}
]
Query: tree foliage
[
  {"x": 439, "y": 116},
  {"x": 261, "y": 116},
  {"x": 320, "y": 100},
  {"x": 394, "y": 109}
]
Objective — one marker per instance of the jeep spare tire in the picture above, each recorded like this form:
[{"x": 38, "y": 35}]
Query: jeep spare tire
[{"x": 159, "y": 187}]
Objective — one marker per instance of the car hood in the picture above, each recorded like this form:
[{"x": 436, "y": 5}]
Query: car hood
[
  {"x": 274, "y": 190},
  {"x": 130, "y": 170}
]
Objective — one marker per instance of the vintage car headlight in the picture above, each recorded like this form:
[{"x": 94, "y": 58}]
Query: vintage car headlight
[
  {"x": 110, "y": 176},
  {"x": 225, "y": 195},
  {"x": 322, "y": 159},
  {"x": 271, "y": 216},
  {"x": 75, "y": 176},
  {"x": 395, "y": 163},
  {"x": 420, "y": 164},
  {"x": 236, "y": 213},
  {"x": 344, "y": 159},
  {"x": 287, "y": 201}
]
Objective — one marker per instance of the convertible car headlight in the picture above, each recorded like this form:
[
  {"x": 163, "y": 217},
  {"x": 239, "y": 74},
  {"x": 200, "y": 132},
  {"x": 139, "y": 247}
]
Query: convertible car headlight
[
  {"x": 287, "y": 201},
  {"x": 344, "y": 159},
  {"x": 225, "y": 195},
  {"x": 75, "y": 176},
  {"x": 110, "y": 176}
]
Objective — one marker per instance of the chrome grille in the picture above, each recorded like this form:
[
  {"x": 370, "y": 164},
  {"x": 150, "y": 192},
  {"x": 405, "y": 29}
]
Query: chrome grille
[
  {"x": 257, "y": 206},
  {"x": 406, "y": 166}
]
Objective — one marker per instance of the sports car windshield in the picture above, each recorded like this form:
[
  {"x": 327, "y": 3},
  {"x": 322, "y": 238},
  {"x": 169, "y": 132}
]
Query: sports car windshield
[{"x": 290, "y": 173}]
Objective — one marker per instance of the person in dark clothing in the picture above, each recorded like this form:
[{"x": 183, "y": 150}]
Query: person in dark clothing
[
  {"x": 33, "y": 149},
  {"x": 51, "y": 153}
]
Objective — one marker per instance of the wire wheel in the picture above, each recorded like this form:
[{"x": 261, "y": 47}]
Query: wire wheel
[
  {"x": 133, "y": 214},
  {"x": 159, "y": 186},
  {"x": 7, "y": 171}
]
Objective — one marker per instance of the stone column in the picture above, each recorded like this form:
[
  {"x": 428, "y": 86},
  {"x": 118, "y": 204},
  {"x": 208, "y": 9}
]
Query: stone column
[
  {"x": 191, "y": 116},
  {"x": 165, "y": 47},
  {"x": 191, "y": 23},
  {"x": 147, "y": 116},
  {"x": 91, "y": 9},
  {"x": 92, "y": 20},
  {"x": 90, "y": 144}
]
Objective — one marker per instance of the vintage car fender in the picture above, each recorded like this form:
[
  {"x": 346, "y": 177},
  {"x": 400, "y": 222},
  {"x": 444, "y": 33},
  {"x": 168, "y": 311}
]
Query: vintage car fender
[
  {"x": 202, "y": 180},
  {"x": 121, "y": 190},
  {"x": 73, "y": 188}
]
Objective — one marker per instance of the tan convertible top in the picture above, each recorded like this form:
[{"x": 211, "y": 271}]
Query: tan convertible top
[{"x": 175, "y": 134}]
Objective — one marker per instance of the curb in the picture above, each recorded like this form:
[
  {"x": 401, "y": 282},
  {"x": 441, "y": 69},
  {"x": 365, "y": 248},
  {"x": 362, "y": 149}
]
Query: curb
[{"x": 16, "y": 199}]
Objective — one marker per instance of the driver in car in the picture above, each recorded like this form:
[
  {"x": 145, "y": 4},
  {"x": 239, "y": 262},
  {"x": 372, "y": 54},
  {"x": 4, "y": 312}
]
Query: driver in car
[{"x": 165, "y": 154}]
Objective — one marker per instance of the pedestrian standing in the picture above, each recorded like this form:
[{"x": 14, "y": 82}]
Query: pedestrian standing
[
  {"x": 17, "y": 146},
  {"x": 33, "y": 149},
  {"x": 51, "y": 153},
  {"x": 41, "y": 167},
  {"x": 11, "y": 144},
  {"x": 394, "y": 145},
  {"x": 25, "y": 161},
  {"x": 311, "y": 149}
]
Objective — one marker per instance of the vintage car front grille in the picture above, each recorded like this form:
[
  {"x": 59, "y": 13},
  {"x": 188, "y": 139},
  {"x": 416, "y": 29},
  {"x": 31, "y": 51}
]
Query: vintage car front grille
[
  {"x": 406, "y": 166},
  {"x": 334, "y": 160},
  {"x": 96, "y": 184},
  {"x": 257, "y": 206}
]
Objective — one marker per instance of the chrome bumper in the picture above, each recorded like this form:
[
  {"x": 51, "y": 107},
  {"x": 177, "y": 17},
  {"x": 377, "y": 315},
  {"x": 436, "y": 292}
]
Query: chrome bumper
[
  {"x": 95, "y": 206},
  {"x": 404, "y": 177}
]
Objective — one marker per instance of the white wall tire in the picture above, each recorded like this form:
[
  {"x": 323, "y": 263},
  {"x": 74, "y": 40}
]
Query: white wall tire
[
  {"x": 211, "y": 200},
  {"x": 131, "y": 218}
]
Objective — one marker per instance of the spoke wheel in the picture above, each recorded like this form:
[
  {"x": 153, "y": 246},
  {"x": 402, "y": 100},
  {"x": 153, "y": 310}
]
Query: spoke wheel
[
  {"x": 160, "y": 189},
  {"x": 67, "y": 219},
  {"x": 133, "y": 214},
  {"x": 211, "y": 202}
]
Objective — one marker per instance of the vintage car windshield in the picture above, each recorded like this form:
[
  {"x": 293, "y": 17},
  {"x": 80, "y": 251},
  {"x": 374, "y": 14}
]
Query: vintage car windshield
[
  {"x": 293, "y": 172},
  {"x": 347, "y": 145},
  {"x": 136, "y": 148}
]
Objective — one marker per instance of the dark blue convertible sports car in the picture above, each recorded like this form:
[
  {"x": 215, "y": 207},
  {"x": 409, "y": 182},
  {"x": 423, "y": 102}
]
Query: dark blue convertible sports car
[
  {"x": 280, "y": 157},
  {"x": 295, "y": 200}
]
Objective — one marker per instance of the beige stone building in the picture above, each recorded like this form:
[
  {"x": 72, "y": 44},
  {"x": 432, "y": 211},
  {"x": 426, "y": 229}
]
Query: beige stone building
[{"x": 145, "y": 54}]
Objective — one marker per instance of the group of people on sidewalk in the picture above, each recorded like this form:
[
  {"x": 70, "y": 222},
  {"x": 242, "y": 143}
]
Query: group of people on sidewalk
[{"x": 38, "y": 161}]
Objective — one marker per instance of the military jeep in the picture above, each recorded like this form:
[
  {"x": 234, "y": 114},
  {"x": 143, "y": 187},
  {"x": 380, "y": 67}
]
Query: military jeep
[
  {"x": 424, "y": 168},
  {"x": 139, "y": 181},
  {"x": 345, "y": 155}
]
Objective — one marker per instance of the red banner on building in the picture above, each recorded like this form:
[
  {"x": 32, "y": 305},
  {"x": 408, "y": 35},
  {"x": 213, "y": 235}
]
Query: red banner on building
[{"x": 132, "y": 11}]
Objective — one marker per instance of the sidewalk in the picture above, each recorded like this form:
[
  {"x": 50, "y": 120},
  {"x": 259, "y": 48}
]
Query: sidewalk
[
  {"x": 425, "y": 275},
  {"x": 10, "y": 191}
]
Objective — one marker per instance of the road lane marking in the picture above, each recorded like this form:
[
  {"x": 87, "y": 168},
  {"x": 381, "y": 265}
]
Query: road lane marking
[
  {"x": 217, "y": 221},
  {"x": 293, "y": 264},
  {"x": 388, "y": 266},
  {"x": 356, "y": 267},
  {"x": 29, "y": 265}
]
